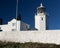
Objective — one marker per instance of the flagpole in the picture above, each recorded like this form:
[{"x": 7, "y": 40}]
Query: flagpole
[{"x": 16, "y": 13}]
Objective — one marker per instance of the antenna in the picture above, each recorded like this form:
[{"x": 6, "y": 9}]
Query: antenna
[{"x": 16, "y": 12}]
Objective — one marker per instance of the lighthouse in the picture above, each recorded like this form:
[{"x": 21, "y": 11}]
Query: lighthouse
[{"x": 40, "y": 18}]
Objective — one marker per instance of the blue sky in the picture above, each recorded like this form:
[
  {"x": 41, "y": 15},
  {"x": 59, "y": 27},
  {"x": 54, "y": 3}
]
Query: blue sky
[{"x": 27, "y": 9}]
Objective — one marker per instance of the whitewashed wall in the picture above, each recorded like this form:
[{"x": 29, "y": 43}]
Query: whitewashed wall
[
  {"x": 49, "y": 36},
  {"x": 40, "y": 21}
]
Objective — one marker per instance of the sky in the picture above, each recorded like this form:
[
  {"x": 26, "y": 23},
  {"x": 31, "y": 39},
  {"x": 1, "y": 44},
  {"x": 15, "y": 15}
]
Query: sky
[{"x": 28, "y": 9}]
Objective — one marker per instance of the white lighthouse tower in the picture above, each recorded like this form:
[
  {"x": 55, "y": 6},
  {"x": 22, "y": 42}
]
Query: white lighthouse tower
[{"x": 40, "y": 18}]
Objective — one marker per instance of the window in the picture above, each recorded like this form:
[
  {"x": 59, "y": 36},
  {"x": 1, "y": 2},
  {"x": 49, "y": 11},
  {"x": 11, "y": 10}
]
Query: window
[
  {"x": 0, "y": 28},
  {"x": 41, "y": 18},
  {"x": 13, "y": 29},
  {"x": 13, "y": 24},
  {"x": 26, "y": 26}
]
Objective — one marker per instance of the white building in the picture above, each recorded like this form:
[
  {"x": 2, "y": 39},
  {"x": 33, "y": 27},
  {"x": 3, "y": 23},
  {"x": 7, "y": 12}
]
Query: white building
[{"x": 14, "y": 25}]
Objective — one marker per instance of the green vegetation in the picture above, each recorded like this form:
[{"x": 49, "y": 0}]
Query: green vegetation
[{"x": 27, "y": 45}]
